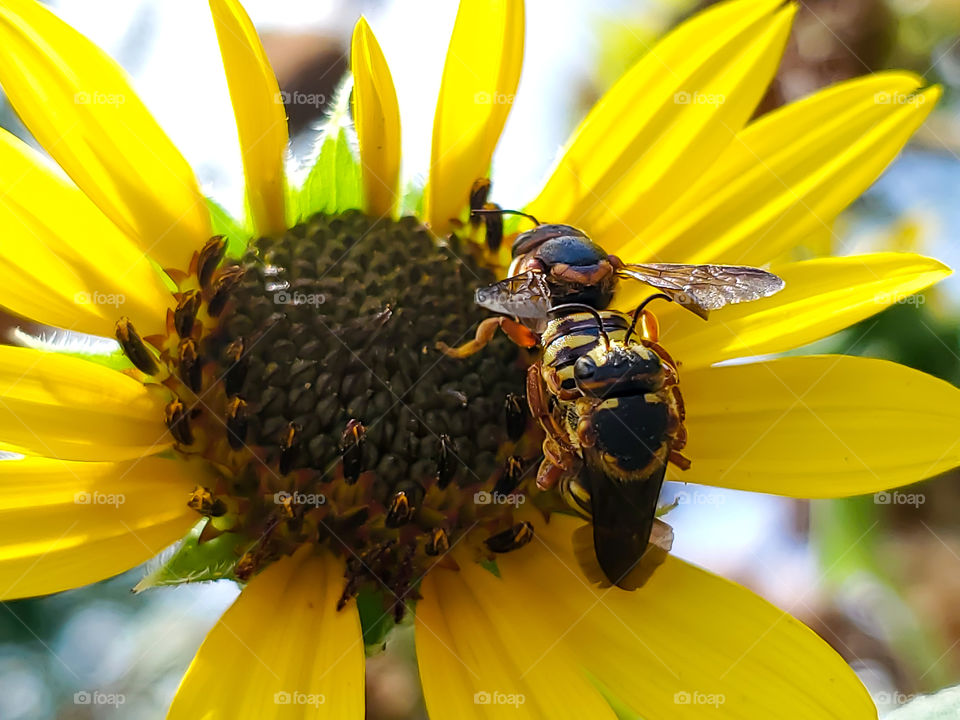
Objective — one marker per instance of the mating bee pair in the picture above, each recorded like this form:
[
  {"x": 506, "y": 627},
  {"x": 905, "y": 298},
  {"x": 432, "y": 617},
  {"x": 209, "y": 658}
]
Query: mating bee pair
[{"x": 604, "y": 391}]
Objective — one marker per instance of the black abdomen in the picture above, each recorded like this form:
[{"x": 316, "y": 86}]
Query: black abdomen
[{"x": 632, "y": 429}]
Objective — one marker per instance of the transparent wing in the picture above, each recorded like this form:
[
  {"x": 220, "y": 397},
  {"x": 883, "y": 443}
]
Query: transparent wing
[
  {"x": 525, "y": 296},
  {"x": 702, "y": 288}
]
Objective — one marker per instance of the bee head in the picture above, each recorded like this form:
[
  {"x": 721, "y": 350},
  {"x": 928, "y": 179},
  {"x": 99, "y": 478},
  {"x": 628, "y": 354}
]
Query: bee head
[
  {"x": 618, "y": 371},
  {"x": 576, "y": 269}
]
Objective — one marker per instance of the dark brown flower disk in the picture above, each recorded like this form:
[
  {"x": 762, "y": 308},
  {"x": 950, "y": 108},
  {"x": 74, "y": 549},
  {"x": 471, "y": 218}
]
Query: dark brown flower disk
[{"x": 338, "y": 321}]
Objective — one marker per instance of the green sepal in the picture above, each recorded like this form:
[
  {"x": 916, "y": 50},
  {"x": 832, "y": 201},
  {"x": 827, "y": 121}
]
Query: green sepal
[
  {"x": 491, "y": 567},
  {"x": 193, "y": 561},
  {"x": 333, "y": 184},
  {"x": 619, "y": 707},
  {"x": 115, "y": 360},
  {"x": 223, "y": 223},
  {"x": 376, "y": 619}
]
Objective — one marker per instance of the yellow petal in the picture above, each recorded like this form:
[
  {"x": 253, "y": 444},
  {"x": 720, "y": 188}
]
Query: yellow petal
[
  {"x": 64, "y": 407},
  {"x": 662, "y": 125},
  {"x": 259, "y": 111},
  {"x": 479, "y": 82},
  {"x": 377, "y": 118},
  {"x": 687, "y": 645},
  {"x": 789, "y": 174},
  {"x": 826, "y": 426},
  {"x": 66, "y": 524},
  {"x": 475, "y": 663},
  {"x": 821, "y": 297},
  {"x": 282, "y": 650},
  {"x": 62, "y": 262},
  {"x": 79, "y": 105}
]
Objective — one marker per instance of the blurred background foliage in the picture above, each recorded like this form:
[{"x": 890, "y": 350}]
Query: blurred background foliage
[{"x": 878, "y": 580}]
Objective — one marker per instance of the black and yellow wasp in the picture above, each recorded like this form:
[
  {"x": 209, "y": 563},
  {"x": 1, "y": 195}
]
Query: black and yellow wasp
[{"x": 604, "y": 391}]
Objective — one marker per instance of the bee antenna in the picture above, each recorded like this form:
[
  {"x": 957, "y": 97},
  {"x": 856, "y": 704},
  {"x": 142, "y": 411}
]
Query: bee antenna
[
  {"x": 640, "y": 307},
  {"x": 498, "y": 211},
  {"x": 585, "y": 308}
]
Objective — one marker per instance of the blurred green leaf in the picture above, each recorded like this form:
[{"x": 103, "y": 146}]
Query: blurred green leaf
[
  {"x": 333, "y": 183},
  {"x": 223, "y": 223},
  {"x": 846, "y": 534}
]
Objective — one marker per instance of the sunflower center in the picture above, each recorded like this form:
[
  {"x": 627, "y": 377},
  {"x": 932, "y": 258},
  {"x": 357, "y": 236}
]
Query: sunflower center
[{"x": 307, "y": 374}]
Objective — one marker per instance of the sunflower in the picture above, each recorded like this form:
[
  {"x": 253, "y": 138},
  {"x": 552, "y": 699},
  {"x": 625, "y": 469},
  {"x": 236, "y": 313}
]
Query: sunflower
[{"x": 280, "y": 408}]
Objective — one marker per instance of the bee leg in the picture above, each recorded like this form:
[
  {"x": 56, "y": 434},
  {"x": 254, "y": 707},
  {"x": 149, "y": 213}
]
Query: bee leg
[
  {"x": 678, "y": 400},
  {"x": 548, "y": 475},
  {"x": 679, "y": 435},
  {"x": 555, "y": 387},
  {"x": 677, "y": 430},
  {"x": 522, "y": 336},
  {"x": 649, "y": 326},
  {"x": 559, "y": 458},
  {"x": 539, "y": 403},
  {"x": 537, "y": 399},
  {"x": 679, "y": 460},
  {"x": 664, "y": 355},
  {"x": 556, "y": 463},
  {"x": 485, "y": 333}
]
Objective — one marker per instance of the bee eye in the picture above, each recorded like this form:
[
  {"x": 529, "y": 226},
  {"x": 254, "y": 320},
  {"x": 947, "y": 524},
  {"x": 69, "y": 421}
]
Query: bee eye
[{"x": 585, "y": 368}]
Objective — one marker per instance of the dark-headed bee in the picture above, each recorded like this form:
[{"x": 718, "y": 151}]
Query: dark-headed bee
[
  {"x": 604, "y": 391},
  {"x": 559, "y": 264}
]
